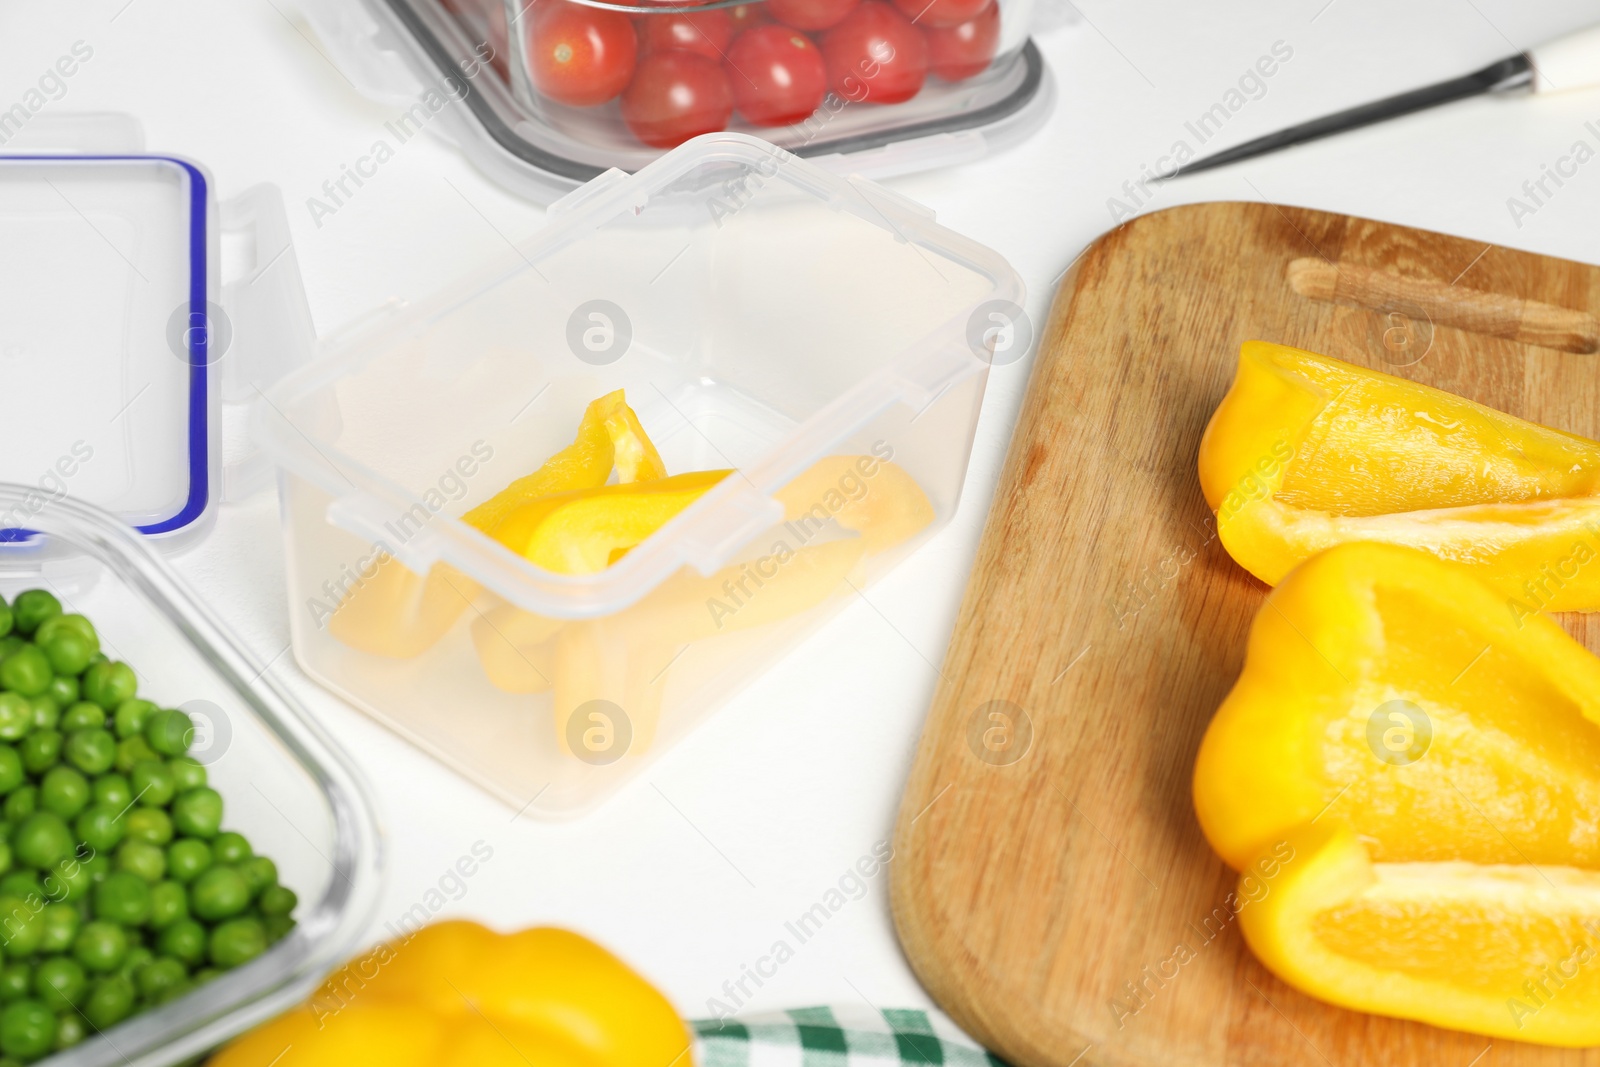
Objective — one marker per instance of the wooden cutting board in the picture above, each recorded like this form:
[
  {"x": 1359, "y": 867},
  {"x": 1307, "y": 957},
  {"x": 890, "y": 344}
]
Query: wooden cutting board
[{"x": 1048, "y": 864}]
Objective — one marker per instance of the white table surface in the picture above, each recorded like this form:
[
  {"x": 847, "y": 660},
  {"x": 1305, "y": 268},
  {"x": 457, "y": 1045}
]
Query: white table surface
[{"x": 692, "y": 873}]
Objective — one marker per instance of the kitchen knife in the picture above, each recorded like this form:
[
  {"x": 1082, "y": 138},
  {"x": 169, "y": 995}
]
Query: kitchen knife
[{"x": 1569, "y": 62}]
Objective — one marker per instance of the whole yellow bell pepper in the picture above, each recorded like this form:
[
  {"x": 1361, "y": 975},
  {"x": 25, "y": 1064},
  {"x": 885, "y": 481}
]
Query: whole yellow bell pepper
[
  {"x": 1408, "y": 778},
  {"x": 457, "y": 994},
  {"x": 1306, "y": 452}
]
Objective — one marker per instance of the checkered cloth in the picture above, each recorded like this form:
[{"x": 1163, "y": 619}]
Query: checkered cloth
[{"x": 837, "y": 1037}]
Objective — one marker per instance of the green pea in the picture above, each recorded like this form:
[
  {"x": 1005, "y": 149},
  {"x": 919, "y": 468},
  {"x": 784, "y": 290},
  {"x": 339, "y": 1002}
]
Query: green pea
[
  {"x": 77, "y": 625},
  {"x": 60, "y": 983},
  {"x": 133, "y": 750},
  {"x": 219, "y": 893},
  {"x": 6, "y": 858},
  {"x": 67, "y": 652},
  {"x": 237, "y": 942},
  {"x": 187, "y": 773},
  {"x": 122, "y": 898},
  {"x": 187, "y": 859},
  {"x": 64, "y": 791},
  {"x": 46, "y": 712},
  {"x": 230, "y": 848},
  {"x": 184, "y": 940},
  {"x": 278, "y": 927},
  {"x": 110, "y": 1001},
  {"x": 26, "y": 671},
  {"x": 27, "y": 1027},
  {"x": 205, "y": 974},
  {"x": 20, "y": 928},
  {"x": 16, "y": 716},
  {"x": 71, "y": 879},
  {"x": 42, "y": 840},
  {"x": 24, "y": 884},
  {"x": 82, "y": 715},
  {"x": 149, "y": 824},
  {"x": 99, "y": 827},
  {"x": 91, "y": 749},
  {"x": 16, "y": 981},
  {"x": 100, "y": 946},
  {"x": 60, "y": 927},
  {"x": 22, "y": 802},
  {"x": 109, "y": 683},
  {"x": 113, "y": 791},
  {"x": 7, "y": 620},
  {"x": 33, "y": 607},
  {"x": 259, "y": 872},
  {"x": 142, "y": 859},
  {"x": 198, "y": 813},
  {"x": 137, "y": 957},
  {"x": 153, "y": 783},
  {"x": 69, "y": 1030},
  {"x": 169, "y": 902},
  {"x": 131, "y": 716},
  {"x": 170, "y": 732},
  {"x": 158, "y": 978},
  {"x": 40, "y": 750},
  {"x": 11, "y": 772},
  {"x": 63, "y": 690},
  {"x": 10, "y": 643},
  {"x": 277, "y": 900}
]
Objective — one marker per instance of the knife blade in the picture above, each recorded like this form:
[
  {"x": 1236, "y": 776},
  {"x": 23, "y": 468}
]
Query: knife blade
[{"x": 1569, "y": 62}]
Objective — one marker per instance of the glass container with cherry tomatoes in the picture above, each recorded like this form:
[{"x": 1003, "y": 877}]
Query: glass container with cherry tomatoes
[{"x": 556, "y": 91}]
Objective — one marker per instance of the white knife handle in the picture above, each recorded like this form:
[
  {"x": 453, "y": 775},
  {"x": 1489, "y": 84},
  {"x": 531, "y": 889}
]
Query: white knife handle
[{"x": 1570, "y": 62}]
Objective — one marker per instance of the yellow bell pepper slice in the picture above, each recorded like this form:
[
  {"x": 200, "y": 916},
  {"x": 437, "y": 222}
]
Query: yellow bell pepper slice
[
  {"x": 1306, "y": 452},
  {"x": 581, "y": 532},
  {"x": 627, "y": 659},
  {"x": 1390, "y": 689},
  {"x": 458, "y": 993},
  {"x": 1509, "y": 951},
  {"x": 400, "y": 614},
  {"x": 872, "y": 496},
  {"x": 608, "y": 436}
]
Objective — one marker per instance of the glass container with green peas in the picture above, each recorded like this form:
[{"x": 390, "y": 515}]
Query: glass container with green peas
[{"x": 119, "y": 887}]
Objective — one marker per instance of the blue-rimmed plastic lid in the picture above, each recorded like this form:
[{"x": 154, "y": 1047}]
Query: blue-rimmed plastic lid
[
  {"x": 117, "y": 358},
  {"x": 108, "y": 386}
]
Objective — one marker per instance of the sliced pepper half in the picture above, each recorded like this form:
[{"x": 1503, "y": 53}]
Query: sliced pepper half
[
  {"x": 1391, "y": 690},
  {"x": 1508, "y": 951},
  {"x": 1307, "y": 452}
]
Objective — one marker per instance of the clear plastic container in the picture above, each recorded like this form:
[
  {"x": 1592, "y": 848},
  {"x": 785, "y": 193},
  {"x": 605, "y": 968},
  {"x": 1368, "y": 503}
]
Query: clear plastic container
[
  {"x": 283, "y": 784},
  {"x": 882, "y": 91},
  {"x": 823, "y": 337}
]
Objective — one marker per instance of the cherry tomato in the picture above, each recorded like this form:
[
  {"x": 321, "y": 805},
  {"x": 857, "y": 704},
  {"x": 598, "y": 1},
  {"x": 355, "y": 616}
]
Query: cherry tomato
[
  {"x": 705, "y": 32},
  {"x": 674, "y": 96},
  {"x": 956, "y": 53},
  {"x": 777, "y": 75},
  {"x": 875, "y": 55},
  {"x": 748, "y": 16},
  {"x": 810, "y": 14},
  {"x": 926, "y": 13},
  {"x": 579, "y": 55}
]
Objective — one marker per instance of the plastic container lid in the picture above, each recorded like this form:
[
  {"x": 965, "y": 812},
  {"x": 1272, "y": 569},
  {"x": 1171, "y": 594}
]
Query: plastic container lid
[{"x": 118, "y": 351}]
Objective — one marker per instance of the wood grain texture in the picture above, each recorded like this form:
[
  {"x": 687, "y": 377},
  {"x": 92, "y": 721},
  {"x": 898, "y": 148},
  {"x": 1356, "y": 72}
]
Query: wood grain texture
[{"x": 1035, "y": 898}]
